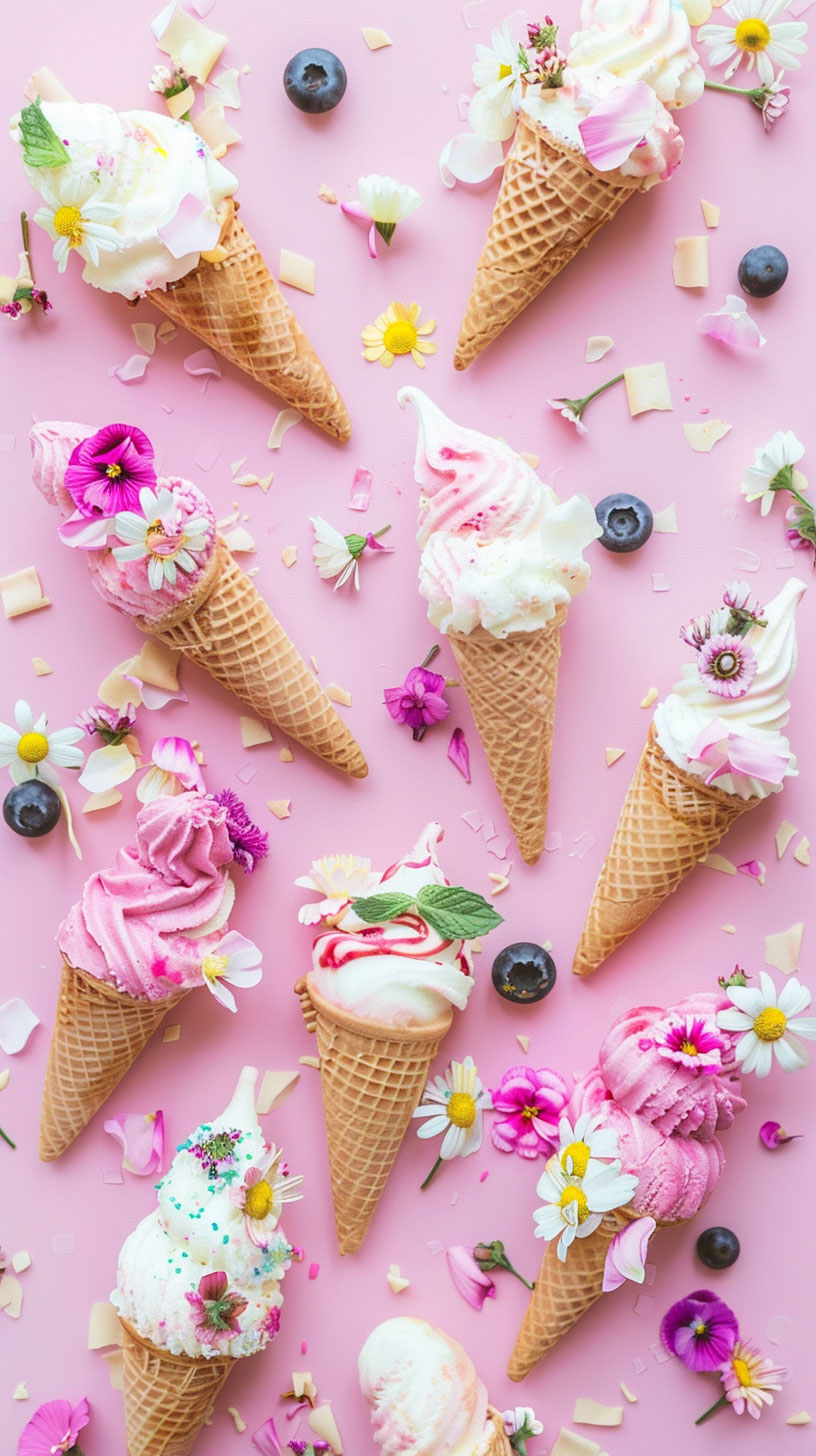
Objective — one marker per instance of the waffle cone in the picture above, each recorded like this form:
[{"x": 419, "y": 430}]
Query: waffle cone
[
  {"x": 234, "y": 305},
  {"x": 372, "y": 1076},
  {"x": 669, "y": 821},
  {"x": 551, "y": 203},
  {"x": 511, "y": 686},
  {"x": 98, "y": 1034},
  {"x": 227, "y": 628},
  {"x": 167, "y": 1397},
  {"x": 498, "y": 1443}
]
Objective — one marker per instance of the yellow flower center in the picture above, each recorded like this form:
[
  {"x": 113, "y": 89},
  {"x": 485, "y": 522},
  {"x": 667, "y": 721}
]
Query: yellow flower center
[
  {"x": 770, "y": 1024},
  {"x": 259, "y": 1200},
  {"x": 68, "y": 224},
  {"x": 213, "y": 966},
  {"x": 700, "y": 1327},
  {"x": 113, "y": 472},
  {"x": 505, "y": 71},
  {"x": 752, "y": 35},
  {"x": 32, "y": 747},
  {"x": 576, "y": 1195},
  {"x": 741, "y": 1371},
  {"x": 400, "y": 337},
  {"x": 461, "y": 1109},
  {"x": 689, "y": 1048},
  {"x": 528, "y": 1113},
  {"x": 579, "y": 1152}
]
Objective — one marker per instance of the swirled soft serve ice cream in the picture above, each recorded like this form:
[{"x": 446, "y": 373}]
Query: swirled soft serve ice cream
[
  {"x": 641, "y": 40},
  {"x": 502, "y": 558}
]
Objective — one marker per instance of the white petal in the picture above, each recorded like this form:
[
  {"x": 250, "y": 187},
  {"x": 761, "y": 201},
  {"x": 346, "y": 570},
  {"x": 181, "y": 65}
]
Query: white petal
[
  {"x": 790, "y": 1054},
  {"x": 452, "y": 1142},
  {"x": 764, "y": 1060},
  {"x": 803, "y": 1026},
  {"x": 23, "y": 716},
  {"x": 793, "y": 998}
]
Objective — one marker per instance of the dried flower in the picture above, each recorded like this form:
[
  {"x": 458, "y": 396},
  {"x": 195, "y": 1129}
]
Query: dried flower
[
  {"x": 215, "y": 1312},
  {"x": 249, "y": 843},
  {"x": 112, "y": 724},
  {"x": 700, "y": 1330}
]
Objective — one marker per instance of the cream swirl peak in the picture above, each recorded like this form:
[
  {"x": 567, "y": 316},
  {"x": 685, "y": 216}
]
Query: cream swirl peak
[
  {"x": 499, "y": 550},
  {"x": 641, "y": 40},
  {"x": 425, "y": 1396}
]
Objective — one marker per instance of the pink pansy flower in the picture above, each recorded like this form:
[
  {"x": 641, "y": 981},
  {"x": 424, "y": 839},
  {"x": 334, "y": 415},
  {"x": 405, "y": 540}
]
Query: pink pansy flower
[
  {"x": 234, "y": 959},
  {"x": 54, "y": 1428},
  {"x": 532, "y": 1102},
  {"x": 726, "y": 665},
  {"x": 732, "y": 325},
  {"x": 725, "y": 752},
  {"x": 474, "y": 1284},
  {"x": 262, "y": 1195},
  {"x": 106, "y": 472},
  {"x": 215, "y": 1312},
  {"x": 691, "y": 1042},
  {"x": 617, "y": 123},
  {"x": 626, "y": 1255},
  {"x": 174, "y": 769},
  {"x": 141, "y": 1137}
]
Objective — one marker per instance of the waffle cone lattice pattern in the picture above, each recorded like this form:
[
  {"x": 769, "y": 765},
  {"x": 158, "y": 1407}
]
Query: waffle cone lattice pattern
[
  {"x": 233, "y": 635},
  {"x": 511, "y": 686},
  {"x": 551, "y": 203},
  {"x": 98, "y": 1034},
  {"x": 236, "y": 307},
  {"x": 167, "y": 1397},
  {"x": 669, "y": 821},
  {"x": 372, "y": 1076}
]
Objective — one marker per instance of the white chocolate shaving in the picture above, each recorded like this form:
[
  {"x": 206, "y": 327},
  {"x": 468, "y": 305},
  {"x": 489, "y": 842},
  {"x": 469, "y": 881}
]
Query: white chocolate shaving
[
  {"x": 326, "y": 193},
  {"x": 649, "y": 698},
  {"x": 802, "y": 851},
  {"x": 711, "y": 213},
  {"x": 690, "y": 264},
  {"x": 21, "y": 1261},
  {"x": 280, "y": 807},
  {"x": 41, "y": 668},
  {"x": 240, "y": 1423},
  {"x": 375, "y": 38},
  {"x": 324, "y": 1425},
  {"x": 289, "y": 555},
  {"x": 592, "y": 1413},
  {"x": 613, "y": 754},
  {"x": 286, "y": 755},
  {"x": 21, "y": 1392},
  {"x": 21, "y": 592},
  {"x": 718, "y": 862},
  {"x": 339, "y": 695},
  {"x": 784, "y": 834},
  {"x": 647, "y": 388},
  {"x": 396, "y": 1281},
  {"x": 275, "y": 1089},
  {"x": 104, "y": 1328},
  {"x": 628, "y": 1394},
  {"x": 253, "y": 732},
  {"x": 665, "y": 521},
  {"x": 145, "y": 336},
  {"x": 782, "y": 949},
  {"x": 212, "y": 126},
  {"x": 192, "y": 44},
  {"x": 569, "y": 1443},
  {"x": 297, "y": 271},
  {"x": 702, "y": 436},
  {"x": 802, "y": 1418},
  {"x": 285, "y": 420},
  {"x": 171, "y": 1033},
  {"x": 179, "y": 104},
  {"x": 597, "y": 345},
  {"x": 11, "y": 1296}
]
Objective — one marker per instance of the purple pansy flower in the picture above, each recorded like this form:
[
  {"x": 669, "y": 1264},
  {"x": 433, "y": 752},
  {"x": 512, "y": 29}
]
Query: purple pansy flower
[
  {"x": 249, "y": 843},
  {"x": 700, "y": 1329},
  {"x": 532, "y": 1102},
  {"x": 106, "y": 472}
]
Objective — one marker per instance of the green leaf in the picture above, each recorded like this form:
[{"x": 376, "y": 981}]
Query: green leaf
[
  {"x": 41, "y": 145},
  {"x": 455, "y": 913},
  {"x": 374, "y": 909},
  {"x": 356, "y": 545}
]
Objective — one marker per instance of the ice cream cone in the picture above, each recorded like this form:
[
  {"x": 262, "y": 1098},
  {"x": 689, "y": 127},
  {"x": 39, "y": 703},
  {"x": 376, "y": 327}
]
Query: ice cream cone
[
  {"x": 670, "y": 820},
  {"x": 372, "y": 1076},
  {"x": 233, "y": 304},
  {"x": 499, "y": 1441},
  {"x": 167, "y": 1397},
  {"x": 226, "y": 627},
  {"x": 511, "y": 686},
  {"x": 98, "y": 1034},
  {"x": 563, "y": 1293},
  {"x": 551, "y": 203}
]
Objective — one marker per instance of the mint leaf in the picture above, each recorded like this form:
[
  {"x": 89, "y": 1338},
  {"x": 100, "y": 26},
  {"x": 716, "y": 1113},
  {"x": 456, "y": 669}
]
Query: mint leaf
[
  {"x": 455, "y": 913},
  {"x": 41, "y": 145},
  {"x": 376, "y": 908}
]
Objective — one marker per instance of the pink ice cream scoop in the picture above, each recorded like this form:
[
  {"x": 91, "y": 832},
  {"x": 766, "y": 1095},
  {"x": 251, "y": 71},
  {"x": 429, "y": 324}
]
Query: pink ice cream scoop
[{"x": 146, "y": 924}]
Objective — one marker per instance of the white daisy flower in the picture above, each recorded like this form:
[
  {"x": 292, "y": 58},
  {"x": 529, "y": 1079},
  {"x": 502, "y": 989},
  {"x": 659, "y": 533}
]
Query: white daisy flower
[
  {"x": 73, "y": 220},
  {"x": 772, "y": 1025},
  {"x": 497, "y": 73},
  {"x": 236, "y": 960},
  {"x": 453, "y": 1106},
  {"x": 262, "y": 1194},
  {"x": 162, "y": 534},
  {"x": 587, "y": 1139},
  {"x": 332, "y": 556},
  {"x": 754, "y": 37},
  {"x": 574, "y": 1207},
  {"x": 29, "y": 752},
  {"x": 772, "y": 469},
  {"x": 339, "y": 878}
]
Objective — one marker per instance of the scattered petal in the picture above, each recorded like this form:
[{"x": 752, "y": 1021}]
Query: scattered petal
[
  {"x": 459, "y": 753},
  {"x": 592, "y": 1413},
  {"x": 203, "y": 361},
  {"x": 772, "y": 1135},
  {"x": 285, "y": 420},
  {"x": 732, "y": 325},
  {"x": 324, "y": 1425},
  {"x": 191, "y": 229},
  {"x": 784, "y": 834},
  {"x": 107, "y": 767},
  {"x": 690, "y": 263},
  {"x": 782, "y": 949},
  {"x": 253, "y": 732},
  {"x": 754, "y": 868},
  {"x": 375, "y": 38},
  {"x": 132, "y": 369},
  {"x": 141, "y": 1137},
  {"x": 17, "y": 1021},
  {"x": 665, "y": 521},
  {"x": 297, "y": 271},
  {"x": 617, "y": 123},
  {"x": 276, "y": 1088},
  {"x": 108, "y": 799},
  {"x": 613, "y": 754},
  {"x": 469, "y": 158},
  {"x": 21, "y": 592},
  {"x": 360, "y": 498},
  {"x": 702, "y": 437},
  {"x": 597, "y": 346},
  {"x": 626, "y": 1256},
  {"x": 266, "y": 1439},
  {"x": 711, "y": 213}
]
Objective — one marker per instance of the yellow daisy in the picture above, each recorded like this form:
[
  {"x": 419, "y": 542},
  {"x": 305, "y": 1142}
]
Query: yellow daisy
[{"x": 397, "y": 332}]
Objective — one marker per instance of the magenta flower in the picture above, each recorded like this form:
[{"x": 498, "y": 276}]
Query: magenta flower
[
  {"x": 270, "y": 1324},
  {"x": 420, "y": 700},
  {"x": 532, "y": 1102},
  {"x": 772, "y": 1135},
  {"x": 112, "y": 724},
  {"x": 54, "y": 1428},
  {"x": 249, "y": 843},
  {"x": 106, "y": 472},
  {"x": 215, "y": 1312},
  {"x": 700, "y": 1329},
  {"x": 474, "y": 1284},
  {"x": 726, "y": 665},
  {"x": 691, "y": 1042}
]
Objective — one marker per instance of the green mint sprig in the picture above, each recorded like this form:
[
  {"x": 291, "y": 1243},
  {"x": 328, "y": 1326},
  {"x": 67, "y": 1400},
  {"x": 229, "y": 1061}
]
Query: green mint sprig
[
  {"x": 454, "y": 913},
  {"x": 41, "y": 145}
]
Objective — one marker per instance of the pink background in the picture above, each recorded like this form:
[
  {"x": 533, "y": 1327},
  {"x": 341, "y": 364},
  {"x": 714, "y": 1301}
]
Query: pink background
[{"x": 399, "y": 110}]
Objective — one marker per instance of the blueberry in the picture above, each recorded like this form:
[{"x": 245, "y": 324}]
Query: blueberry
[
  {"x": 762, "y": 271},
  {"x": 32, "y": 809},
  {"x": 523, "y": 972},
  {"x": 718, "y": 1248},
  {"x": 315, "y": 80},
  {"x": 626, "y": 522}
]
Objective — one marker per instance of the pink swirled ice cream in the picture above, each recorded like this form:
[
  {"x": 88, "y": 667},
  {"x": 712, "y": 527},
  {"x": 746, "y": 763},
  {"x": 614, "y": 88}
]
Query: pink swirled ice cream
[
  {"x": 499, "y": 549},
  {"x": 174, "y": 524},
  {"x": 425, "y": 1396},
  {"x": 667, "y": 1082},
  {"x": 563, "y": 110},
  {"x": 146, "y": 924},
  {"x": 400, "y": 971},
  {"x": 640, "y": 40},
  {"x": 209, "y": 1225}
]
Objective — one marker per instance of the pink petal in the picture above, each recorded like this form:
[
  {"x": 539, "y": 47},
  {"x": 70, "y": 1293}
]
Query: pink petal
[
  {"x": 176, "y": 756},
  {"x": 134, "y": 368},
  {"x": 153, "y": 697},
  {"x": 89, "y": 534},
  {"x": 372, "y": 240},
  {"x": 360, "y": 498},
  {"x": 106, "y": 767},
  {"x": 616, "y": 124},
  {"x": 203, "y": 361},
  {"x": 266, "y": 1439},
  {"x": 355, "y": 209},
  {"x": 50, "y": 1425},
  {"x": 469, "y": 158},
  {"x": 459, "y": 753},
  {"x": 17, "y": 1021},
  {"x": 753, "y": 867},
  {"x": 732, "y": 325},
  {"x": 190, "y": 231},
  {"x": 626, "y": 1255},
  {"x": 141, "y": 1136}
]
